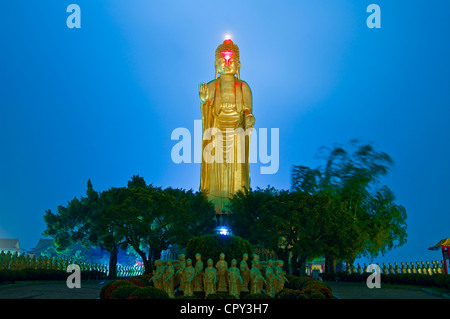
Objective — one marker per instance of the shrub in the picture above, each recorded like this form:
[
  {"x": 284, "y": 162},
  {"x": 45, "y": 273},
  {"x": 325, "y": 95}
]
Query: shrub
[
  {"x": 317, "y": 291},
  {"x": 298, "y": 283},
  {"x": 32, "y": 274},
  {"x": 437, "y": 280},
  {"x": 50, "y": 274},
  {"x": 313, "y": 293},
  {"x": 305, "y": 288},
  {"x": 136, "y": 281},
  {"x": 255, "y": 296},
  {"x": 188, "y": 297},
  {"x": 210, "y": 246},
  {"x": 329, "y": 276},
  {"x": 104, "y": 289},
  {"x": 108, "y": 289},
  {"x": 6, "y": 275},
  {"x": 20, "y": 275},
  {"x": 220, "y": 296},
  {"x": 287, "y": 293},
  {"x": 92, "y": 275},
  {"x": 145, "y": 279},
  {"x": 442, "y": 280},
  {"x": 148, "y": 293},
  {"x": 123, "y": 292}
]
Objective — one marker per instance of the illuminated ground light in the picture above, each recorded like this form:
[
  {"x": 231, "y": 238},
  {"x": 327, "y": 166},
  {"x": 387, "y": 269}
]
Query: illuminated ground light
[{"x": 223, "y": 230}]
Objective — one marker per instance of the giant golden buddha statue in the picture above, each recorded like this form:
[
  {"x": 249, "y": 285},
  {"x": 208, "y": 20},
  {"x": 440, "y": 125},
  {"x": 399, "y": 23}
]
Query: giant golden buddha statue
[{"x": 227, "y": 119}]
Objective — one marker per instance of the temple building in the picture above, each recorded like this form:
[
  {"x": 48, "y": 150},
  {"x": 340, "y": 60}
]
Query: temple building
[
  {"x": 10, "y": 245},
  {"x": 43, "y": 246}
]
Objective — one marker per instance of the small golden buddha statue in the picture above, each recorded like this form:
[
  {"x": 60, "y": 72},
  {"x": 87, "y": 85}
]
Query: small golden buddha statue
[
  {"x": 169, "y": 272},
  {"x": 222, "y": 274},
  {"x": 245, "y": 272},
  {"x": 234, "y": 279},
  {"x": 198, "y": 276},
  {"x": 209, "y": 278},
  {"x": 188, "y": 275}
]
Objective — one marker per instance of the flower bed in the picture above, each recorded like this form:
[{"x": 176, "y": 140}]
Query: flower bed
[{"x": 139, "y": 287}]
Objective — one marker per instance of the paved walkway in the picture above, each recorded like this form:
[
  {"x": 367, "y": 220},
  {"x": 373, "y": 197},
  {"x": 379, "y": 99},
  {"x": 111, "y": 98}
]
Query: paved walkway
[
  {"x": 91, "y": 289},
  {"x": 351, "y": 290}
]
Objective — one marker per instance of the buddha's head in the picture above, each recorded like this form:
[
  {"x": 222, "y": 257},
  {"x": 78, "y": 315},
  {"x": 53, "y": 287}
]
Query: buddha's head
[{"x": 227, "y": 59}]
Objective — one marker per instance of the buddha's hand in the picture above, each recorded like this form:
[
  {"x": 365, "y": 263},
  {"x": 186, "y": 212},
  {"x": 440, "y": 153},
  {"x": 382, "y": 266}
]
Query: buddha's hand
[
  {"x": 249, "y": 120},
  {"x": 203, "y": 92}
]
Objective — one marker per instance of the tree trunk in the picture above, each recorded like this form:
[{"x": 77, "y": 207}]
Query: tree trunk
[
  {"x": 155, "y": 255},
  {"x": 330, "y": 264},
  {"x": 145, "y": 260},
  {"x": 283, "y": 254},
  {"x": 113, "y": 262},
  {"x": 294, "y": 264},
  {"x": 301, "y": 266}
]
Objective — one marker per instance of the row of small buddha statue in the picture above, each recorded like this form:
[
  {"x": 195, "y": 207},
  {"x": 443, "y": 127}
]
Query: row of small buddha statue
[
  {"x": 219, "y": 278},
  {"x": 405, "y": 268},
  {"x": 16, "y": 261}
]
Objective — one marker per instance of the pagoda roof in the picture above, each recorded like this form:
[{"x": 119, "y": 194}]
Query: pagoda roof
[
  {"x": 42, "y": 244},
  {"x": 443, "y": 242},
  {"x": 10, "y": 244}
]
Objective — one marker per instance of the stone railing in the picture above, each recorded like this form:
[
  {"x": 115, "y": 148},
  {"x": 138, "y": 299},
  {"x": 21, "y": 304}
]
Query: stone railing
[{"x": 423, "y": 267}]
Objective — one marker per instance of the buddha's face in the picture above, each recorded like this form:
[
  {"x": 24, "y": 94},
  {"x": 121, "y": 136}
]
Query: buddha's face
[{"x": 227, "y": 64}]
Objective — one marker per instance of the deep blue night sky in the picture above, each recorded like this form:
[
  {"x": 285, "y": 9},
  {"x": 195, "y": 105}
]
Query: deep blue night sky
[{"x": 101, "y": 102}]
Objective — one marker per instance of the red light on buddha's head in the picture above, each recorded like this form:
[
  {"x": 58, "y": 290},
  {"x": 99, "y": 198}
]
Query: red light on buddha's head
[{"x": 227, "y": 55}]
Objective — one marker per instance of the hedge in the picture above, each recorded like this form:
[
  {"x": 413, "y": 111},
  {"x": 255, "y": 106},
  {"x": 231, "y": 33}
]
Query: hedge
[
  {"x": 211, "y": 246},
  {"x": 148, "y": 293},
  {"x": 304, "y": 288},
  {"x": 435, "y": 280},
  {"x": 7, "y": 275},
  {"x": 30, "y": 274}
]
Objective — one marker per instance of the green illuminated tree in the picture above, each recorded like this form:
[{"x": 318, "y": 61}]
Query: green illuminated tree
[
  {"x": 352, "y": 179},
  {"x": 86, "y": 221},
  {"x": 140, "y": 216}
]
